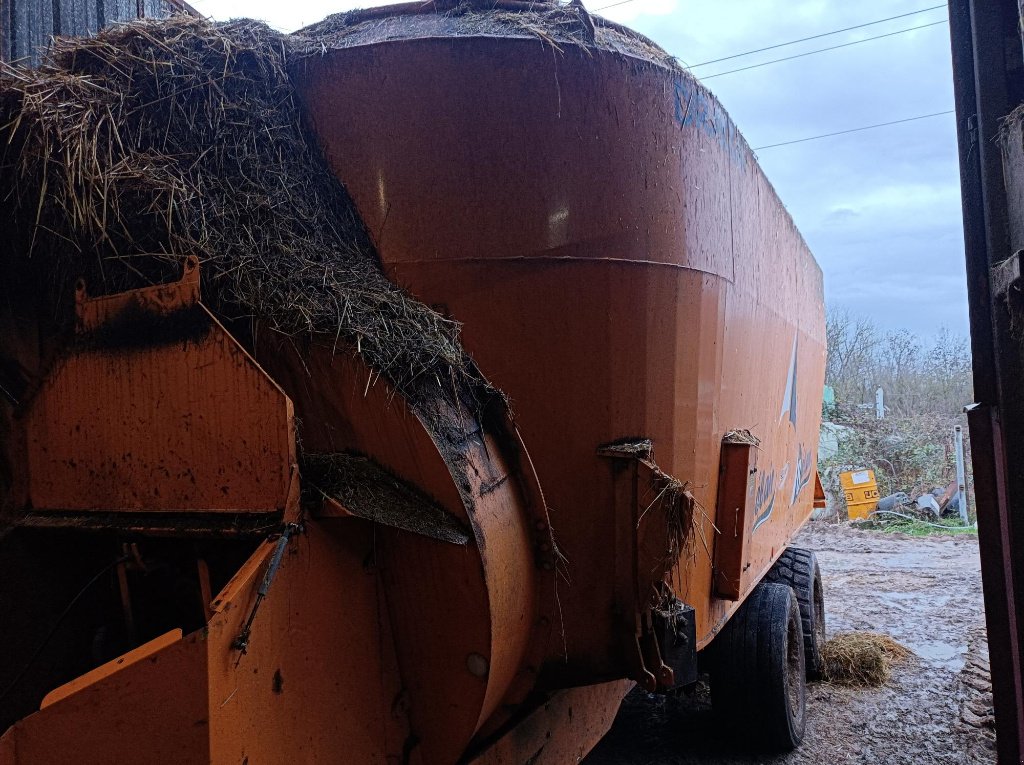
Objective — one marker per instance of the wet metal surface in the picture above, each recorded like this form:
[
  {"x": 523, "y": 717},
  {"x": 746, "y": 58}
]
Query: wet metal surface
[{"x": 621, "y": 267}]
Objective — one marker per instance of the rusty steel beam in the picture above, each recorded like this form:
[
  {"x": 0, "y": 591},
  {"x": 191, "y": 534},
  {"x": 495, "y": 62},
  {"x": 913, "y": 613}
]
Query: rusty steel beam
[{"x": 985, "y": 40}]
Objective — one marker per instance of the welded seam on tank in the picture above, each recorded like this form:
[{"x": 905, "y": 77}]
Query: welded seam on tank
[{"x": 559, "y": 259}]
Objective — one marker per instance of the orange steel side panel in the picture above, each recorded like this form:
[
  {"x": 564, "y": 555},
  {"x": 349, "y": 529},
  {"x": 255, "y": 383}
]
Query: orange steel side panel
[
  {"x": 622, "y": 269},
  {"x": 319, "y": 682},
  {"x": 186, "y": 422},
  {"x": 563, "y": 730},
  {"x": 163, "y": 300},
  {"x": 144, "y": 651},
  {"x": 152, "y": 710}
]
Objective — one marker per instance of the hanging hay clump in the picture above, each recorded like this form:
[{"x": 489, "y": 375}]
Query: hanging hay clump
[
  {"x": 671, "y": 498},
  {"x": 861, "y": 659},
  {"x": 677, "y": 505},
  {"x": 124, "y": 153}
]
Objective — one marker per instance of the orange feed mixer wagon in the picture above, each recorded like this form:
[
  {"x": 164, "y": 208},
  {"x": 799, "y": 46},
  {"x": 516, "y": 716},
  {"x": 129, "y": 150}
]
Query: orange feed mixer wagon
[{"x": 623, "y": 271}]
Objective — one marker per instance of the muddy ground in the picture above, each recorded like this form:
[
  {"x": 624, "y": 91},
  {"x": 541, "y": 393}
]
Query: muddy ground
[{"x": 936, "y": 709}]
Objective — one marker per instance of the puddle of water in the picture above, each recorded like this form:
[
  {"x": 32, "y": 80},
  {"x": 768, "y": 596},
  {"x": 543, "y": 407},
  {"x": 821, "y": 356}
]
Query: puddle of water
[
  {"x": 901, "y": 596},
  {"x": 947, "y": 656}
]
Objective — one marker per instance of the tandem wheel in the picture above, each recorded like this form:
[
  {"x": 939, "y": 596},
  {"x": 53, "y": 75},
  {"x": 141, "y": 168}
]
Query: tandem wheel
[
  {"x": 758, "y": 671},
  {"x": 799, "y": 569}
]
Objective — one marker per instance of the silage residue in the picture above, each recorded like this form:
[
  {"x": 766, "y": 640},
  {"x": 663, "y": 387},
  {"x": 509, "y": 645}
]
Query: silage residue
[
  {"x": 861, "y": 659},
  {"x": 126, "y": 152}
]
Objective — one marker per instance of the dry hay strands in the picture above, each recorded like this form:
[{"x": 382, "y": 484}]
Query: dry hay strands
[
  {"x": 676, "y": 505},
  {"x": 1010, "y": 124},
  {"x": 741, "y": 436},
  {"x": 641, "y": 449},
  {"x": 557, "y": 25},
  {"x": 367, "y": 490},
  {"x": 861, "y": 659},
  {"x": 184, "y": 137}
]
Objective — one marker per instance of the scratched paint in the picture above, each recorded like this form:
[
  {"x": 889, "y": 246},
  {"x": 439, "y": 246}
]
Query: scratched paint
[{"x": 696, "y": 107}]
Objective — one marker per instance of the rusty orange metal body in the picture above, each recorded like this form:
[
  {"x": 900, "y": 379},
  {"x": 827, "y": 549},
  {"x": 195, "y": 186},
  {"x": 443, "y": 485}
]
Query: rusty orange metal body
[
  {"x": 146, "y": 428},
  {"x": 449, "y": 639},
  {"x": 622, "y": 268},
  {"x": 623, "y": 271}
]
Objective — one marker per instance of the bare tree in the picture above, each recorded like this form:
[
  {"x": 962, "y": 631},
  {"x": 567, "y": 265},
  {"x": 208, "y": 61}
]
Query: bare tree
[
  {"x": 926, "y": 387},
  {"x": 917, "y": 378},
  {"x": 852, "y": 345}
]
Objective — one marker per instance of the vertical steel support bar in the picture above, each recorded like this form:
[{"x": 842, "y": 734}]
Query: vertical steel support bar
[
  {"x": 980, "y": 31},
  {"x": 6, "y": 28},
  {"x": 961, "y": 480},
  {"x": 1002, "y": 617}
]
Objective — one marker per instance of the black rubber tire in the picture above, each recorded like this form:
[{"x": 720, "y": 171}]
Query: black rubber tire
[
  {"x": 799, "y": 569},
  {"x": 758, "y": 677}
]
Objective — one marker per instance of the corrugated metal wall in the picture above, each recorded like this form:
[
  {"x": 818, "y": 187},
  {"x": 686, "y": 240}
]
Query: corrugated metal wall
[{"x": 26, "y": 26}]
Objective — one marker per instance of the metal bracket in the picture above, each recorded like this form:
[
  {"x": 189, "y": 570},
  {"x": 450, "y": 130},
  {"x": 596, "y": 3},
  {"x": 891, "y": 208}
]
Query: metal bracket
[
  {"x": 241, "y": 643},
  {"x": 675, "y": 627},
  {"x": 641, "y": 580}
]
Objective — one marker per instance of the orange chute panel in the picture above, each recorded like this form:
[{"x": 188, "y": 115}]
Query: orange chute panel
[
  {"x": 155, "y": 407},
  {"x": 318, "y": 681},
  {"x": 820, "y": 500}
]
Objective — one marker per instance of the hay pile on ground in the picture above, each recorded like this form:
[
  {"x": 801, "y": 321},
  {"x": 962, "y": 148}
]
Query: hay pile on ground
[
  {"x": 861, "y": 659},
  {"x": 127, "y": 152}
]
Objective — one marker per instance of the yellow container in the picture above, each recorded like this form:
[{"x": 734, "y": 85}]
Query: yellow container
[{"x": 861, "y": 492}]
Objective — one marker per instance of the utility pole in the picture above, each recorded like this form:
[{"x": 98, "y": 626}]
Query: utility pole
[{"x": 961, "y": 480}]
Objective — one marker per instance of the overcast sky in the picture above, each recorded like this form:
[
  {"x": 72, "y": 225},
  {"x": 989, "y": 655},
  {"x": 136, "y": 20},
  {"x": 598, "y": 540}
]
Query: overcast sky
[{"x": 879, "y": 208}]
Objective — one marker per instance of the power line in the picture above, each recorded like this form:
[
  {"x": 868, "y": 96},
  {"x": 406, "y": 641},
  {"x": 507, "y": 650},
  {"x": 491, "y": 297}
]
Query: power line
[
  {"x": 854, "y": 130},
  {"x": 605, "y": 7},
  {"x": 822, "y": 50},
  {"x": 805, "y": 39}
]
